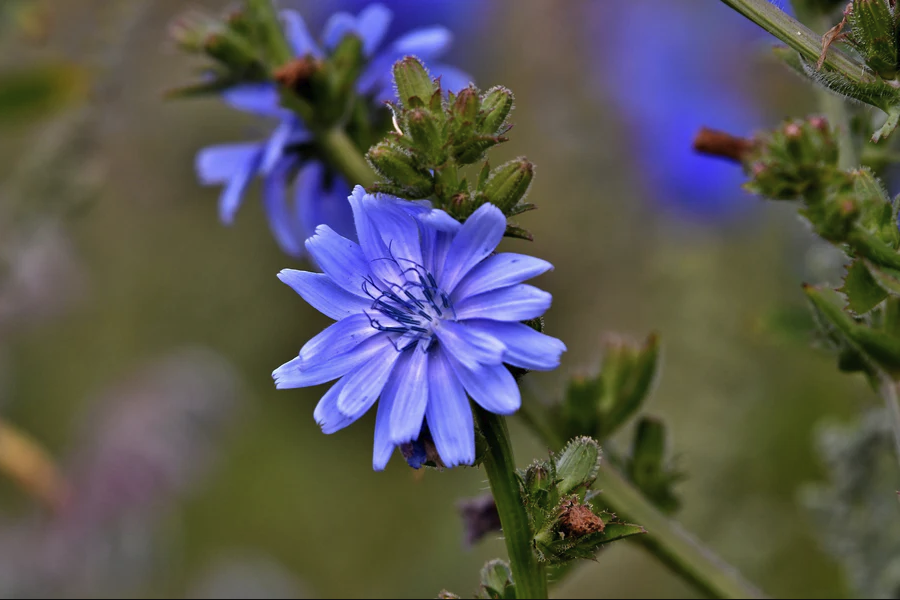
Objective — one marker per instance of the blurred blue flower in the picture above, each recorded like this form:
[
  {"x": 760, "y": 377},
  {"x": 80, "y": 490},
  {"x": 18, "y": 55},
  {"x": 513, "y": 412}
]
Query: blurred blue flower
[
  {"x": 671, "y": 67},
  {"x": 318, "y": 197},
  {"x": 425, "y": 314}
]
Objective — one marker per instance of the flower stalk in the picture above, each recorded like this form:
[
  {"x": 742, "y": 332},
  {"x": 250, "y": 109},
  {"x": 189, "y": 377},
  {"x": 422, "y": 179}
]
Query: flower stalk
[
  {"x": 529, "y": 575},
  {"x": 800, "y": 37}
]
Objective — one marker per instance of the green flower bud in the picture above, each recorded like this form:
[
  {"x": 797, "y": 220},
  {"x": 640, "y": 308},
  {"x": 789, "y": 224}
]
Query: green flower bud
[
  {"x": 873, "y": 32},
  {"x": 413, "y": 81},
  {"x": 508, "y": 184},
  {"x": 425, "y": 131},
  {"x": 496, "y": 105},
  {"x": 399, "y": 168}
]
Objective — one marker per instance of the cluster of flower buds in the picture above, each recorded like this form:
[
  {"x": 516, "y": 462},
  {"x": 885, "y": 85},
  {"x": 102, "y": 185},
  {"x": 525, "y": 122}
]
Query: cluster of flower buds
[
  {"x": 240, "y": 48},
  {"x": 785, "y": 163},
  {"x": 436, "y": 136},
  {"x": 852, "y": 210},
  {"x": 566, "y": 523}
]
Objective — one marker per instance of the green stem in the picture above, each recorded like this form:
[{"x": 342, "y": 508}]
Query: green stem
[
  {"x": 529, "y": 575},
  {"x": 340, "y": 152},
  {"x": 665, "y": 539},
  {"x": 800, "y": 37},
  {"x": 834, "y": 106},
  {"x": 669, "y": 543}
]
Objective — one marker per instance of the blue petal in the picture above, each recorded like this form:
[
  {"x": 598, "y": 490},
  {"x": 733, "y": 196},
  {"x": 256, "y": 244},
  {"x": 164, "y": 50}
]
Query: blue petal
[
  {"x": 377, "y": 77},
  {"x": 500, "y": 270},
  {"x": 384, "y": 447},
  {"x": 317, "y": 205},
  {"x": 233, "y": 194},
  {"x": 365, "y": 383},
  {"x": 340, "y": 258},
  {"x": 426, "y": 43},
  {"x": 323, "y": 294},
  {"x": 411, "y": 396},
  {"x": 217, "y": 164},
  {"x": 274, "y": 148},
  {"x": 256, "y": 98},
  {"x": 514, "y": 303},
  {"x": 525, "y": 347},
  {"x": 281, "y": 219},
  {"x": 339, "y": 25},
  {"x": 299, "y": 373},
  {"x": 372, "y": 23},
  {"x": 491, "y": 386},
  {"x": 476, "y": 239},
  {"x": 298, "y": 36},
  {"x": 469, "y": 346},
  {"x": 337, "y": 339},
  {"x": 449, "y": 415},
  {"x": 440, "y": 220},
  {"x": 398, "y": 230},
  {"x": 452, "y": 79},
  {"x": 375, "y": 250},
  {"x": 327, "y": 415}
]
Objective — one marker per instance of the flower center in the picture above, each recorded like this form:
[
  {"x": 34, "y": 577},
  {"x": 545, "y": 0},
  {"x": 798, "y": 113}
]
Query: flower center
[{"x": 411, "y": 310}]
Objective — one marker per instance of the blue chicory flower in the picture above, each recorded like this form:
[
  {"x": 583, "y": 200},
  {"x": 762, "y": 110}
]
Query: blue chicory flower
[
  {"x": 670, "y": 86},
  {"x": 294, "y": 216},
  {"x": 426, "y": 314}
]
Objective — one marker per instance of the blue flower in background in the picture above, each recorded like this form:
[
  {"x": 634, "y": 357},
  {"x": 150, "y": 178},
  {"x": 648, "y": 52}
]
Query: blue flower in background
[
  {"x": 294, "y": 215},
  {"x": 671, "y": 67},
  {"x": 426, "y": 314}
]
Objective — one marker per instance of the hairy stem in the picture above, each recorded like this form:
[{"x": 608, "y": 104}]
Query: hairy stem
[
  {"x": 799, "y": 37},
  {"x": 529, "y": 575}
]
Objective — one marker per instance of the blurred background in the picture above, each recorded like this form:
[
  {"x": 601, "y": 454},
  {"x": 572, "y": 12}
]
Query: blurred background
[{"x": 138, "y": 334}]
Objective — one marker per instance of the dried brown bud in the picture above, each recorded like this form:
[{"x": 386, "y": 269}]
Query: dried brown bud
[
  {"x": 712, "y": 142},
  {"x": 578, "y": 519},
  {"x": 296, "y": 74}
]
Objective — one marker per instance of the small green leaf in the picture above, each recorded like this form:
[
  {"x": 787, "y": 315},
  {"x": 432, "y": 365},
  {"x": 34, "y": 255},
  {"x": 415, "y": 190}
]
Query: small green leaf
[
  {"x": 888, "y": 279},
  {"x": 514, "y": 231},
  {"x": 880, "y": 347},
  {"x": 862, "y": 291}
]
